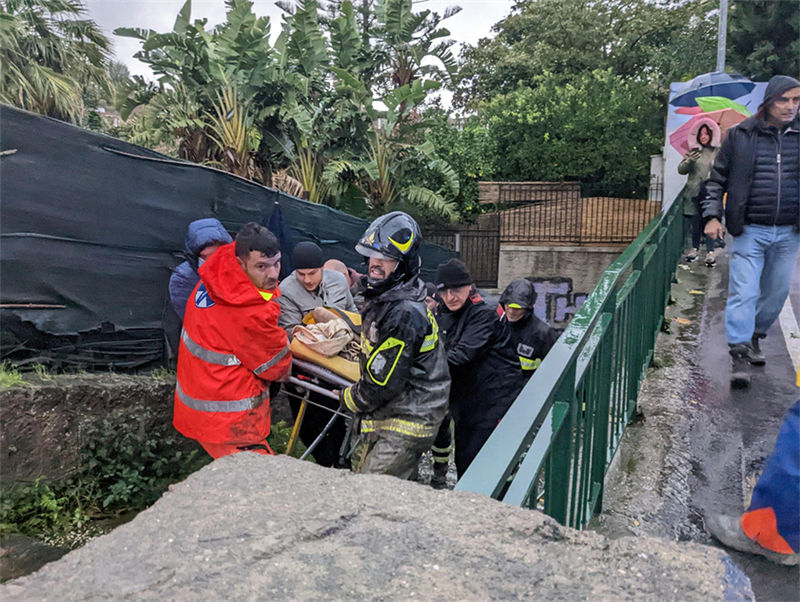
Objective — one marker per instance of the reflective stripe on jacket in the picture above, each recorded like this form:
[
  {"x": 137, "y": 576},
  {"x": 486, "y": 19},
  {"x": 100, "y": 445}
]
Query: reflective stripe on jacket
[
  {"x": 405, "y": 381},
  {"x": 231, "y": 348}
]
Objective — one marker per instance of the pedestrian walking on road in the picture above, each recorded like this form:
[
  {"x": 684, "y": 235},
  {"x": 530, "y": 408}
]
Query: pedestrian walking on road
[
  {"x": 704, "y": 141},
  {"x": 758, "y": 166}
]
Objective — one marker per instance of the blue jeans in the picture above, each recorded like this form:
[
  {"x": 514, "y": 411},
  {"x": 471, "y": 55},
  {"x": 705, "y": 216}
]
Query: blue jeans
[{"x": 761, "y": 268}]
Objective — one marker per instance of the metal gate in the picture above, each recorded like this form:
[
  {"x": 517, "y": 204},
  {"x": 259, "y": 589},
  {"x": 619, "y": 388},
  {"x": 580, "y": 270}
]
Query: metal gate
[{"x": 478, "y": 246}]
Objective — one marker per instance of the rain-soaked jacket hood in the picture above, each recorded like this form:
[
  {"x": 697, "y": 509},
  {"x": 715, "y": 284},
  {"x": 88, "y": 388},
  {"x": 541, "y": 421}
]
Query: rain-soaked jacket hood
[
  {"x": 230, "y": 285},
  {"x": 200, "y": 234},
  {"x": 520, "y": 292}
]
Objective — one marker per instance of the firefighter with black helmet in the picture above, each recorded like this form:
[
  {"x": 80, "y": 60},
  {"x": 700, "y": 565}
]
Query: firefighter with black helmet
[
  {"x": 401, "y": 397},
  {"x": 521, "y": 341}
]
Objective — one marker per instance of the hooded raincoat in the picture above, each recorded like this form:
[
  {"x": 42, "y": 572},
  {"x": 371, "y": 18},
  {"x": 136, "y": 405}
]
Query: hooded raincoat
[
  {"x": 516, "y": 351},
  {"x": 200, "y": 234},
  {"x": 231, "y": 349}
]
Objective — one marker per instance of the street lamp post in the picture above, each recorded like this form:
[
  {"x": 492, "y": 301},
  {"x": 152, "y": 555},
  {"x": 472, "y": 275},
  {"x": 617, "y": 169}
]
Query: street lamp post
[{"x": 722, "y": 34}]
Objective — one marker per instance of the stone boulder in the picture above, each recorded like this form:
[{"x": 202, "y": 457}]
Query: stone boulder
[{"x": 254, "y": 527}]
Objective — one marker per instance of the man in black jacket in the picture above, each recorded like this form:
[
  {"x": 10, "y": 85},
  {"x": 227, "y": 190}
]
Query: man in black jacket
[
  {"x": 758, "y": 166},
  {"x": 517, "y": 345},
  {"x": 401, "y": 397},
  {"x": 467, "y": 324}
]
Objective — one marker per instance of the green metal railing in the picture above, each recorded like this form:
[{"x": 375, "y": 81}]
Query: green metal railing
[{"x": 554, "y": 445}]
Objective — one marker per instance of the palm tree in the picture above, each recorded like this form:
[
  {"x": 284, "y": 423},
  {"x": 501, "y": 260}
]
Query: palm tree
[{"x": 48, "y": 53}]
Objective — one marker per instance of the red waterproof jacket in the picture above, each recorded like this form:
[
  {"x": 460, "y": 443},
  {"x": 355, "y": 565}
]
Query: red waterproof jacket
[{"x": 231, "y": 348}]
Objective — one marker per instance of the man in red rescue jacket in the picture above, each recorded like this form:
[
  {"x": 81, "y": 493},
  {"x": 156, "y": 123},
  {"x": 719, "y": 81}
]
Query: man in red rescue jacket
[{"x": 231, "y": 347}]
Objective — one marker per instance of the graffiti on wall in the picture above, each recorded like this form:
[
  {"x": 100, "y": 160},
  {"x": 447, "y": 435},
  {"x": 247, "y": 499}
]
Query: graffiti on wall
[{"x": 556, "y": 302}]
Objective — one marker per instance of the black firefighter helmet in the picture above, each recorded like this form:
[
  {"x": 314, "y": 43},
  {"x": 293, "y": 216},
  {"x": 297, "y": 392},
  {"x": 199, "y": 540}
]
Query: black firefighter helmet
[{"x": 393, "y": 236}]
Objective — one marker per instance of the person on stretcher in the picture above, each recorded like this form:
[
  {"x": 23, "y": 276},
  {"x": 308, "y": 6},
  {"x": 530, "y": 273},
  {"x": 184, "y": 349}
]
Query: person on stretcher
[{"x": 308, "y": 287}]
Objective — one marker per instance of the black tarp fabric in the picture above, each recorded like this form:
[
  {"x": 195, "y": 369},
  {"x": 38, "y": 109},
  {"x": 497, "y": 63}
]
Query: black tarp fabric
[{"x": 90, "y": 228}]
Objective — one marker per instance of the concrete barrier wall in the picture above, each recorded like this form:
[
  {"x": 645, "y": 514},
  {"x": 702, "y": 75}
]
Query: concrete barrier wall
[{"x": 563, "y": 276}]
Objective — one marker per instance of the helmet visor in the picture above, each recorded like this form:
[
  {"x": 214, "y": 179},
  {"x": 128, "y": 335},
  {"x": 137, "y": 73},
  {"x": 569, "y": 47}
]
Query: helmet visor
[{"x": 368, "y": 252}]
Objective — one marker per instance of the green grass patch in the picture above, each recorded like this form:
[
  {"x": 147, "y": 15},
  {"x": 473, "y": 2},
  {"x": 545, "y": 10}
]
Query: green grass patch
[{"x": 10, "y": 376}]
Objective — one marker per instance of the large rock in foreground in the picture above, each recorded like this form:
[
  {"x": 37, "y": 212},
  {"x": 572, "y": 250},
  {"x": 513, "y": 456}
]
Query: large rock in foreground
[{"x": 253, "y": 527}]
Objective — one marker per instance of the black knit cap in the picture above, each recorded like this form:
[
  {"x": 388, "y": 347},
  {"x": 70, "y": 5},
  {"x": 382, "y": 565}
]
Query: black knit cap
[
  {"x": 307, "y": 256},
  {"x": 452, "y": 274},
  {"x": 777, "y": 86}
]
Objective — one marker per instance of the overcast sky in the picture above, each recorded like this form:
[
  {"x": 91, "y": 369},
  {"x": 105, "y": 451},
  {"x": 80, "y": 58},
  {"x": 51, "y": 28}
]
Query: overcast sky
[{"x": 472, "y": 23}]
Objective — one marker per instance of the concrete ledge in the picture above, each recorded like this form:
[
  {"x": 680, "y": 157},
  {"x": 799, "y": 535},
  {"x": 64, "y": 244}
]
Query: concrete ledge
[{"x": 253, "y": 527}]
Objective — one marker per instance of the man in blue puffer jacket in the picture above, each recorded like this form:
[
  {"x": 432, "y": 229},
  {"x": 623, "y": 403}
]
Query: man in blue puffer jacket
[
  {"x": 203, "y": 237},
  {"x": 758, "y": 166}
]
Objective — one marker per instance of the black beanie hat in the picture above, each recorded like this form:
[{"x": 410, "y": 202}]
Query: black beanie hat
[
  {"x": 452, "y": 274},
  {"x": 777, "y": 86},
  {"x": 307, "y": 256}
]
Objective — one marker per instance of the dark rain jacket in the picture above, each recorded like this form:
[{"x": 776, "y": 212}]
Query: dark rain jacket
[
  {"x": 405, "y": 382},
  {"x": 519, "y": 349},
  {"x": 199, "y": 235},
  {"x": 759, "y": 168},
  {"x": 468, "y": 335}
]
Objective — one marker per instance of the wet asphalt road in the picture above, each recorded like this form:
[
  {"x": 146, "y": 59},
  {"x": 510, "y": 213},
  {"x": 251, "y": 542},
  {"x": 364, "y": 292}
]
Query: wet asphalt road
[
  {"x": 701, "y": 445},
  {"x": 735, "y": 430}
]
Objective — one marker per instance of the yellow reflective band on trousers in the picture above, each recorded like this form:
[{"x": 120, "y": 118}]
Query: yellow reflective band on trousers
[
  {"x": 527, "y": 363},
  {"x": 388, "y": 345},
  {"x": 349, "y": 403},
  {"x": 398, "y": 425},
  {"x": 429, "y": 344},
  {"x": 441, "y": 454}
]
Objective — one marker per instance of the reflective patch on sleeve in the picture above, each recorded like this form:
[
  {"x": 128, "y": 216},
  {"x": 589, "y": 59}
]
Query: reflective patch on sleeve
[
  {"x": 527, "y": 363},
  {"x": 349, "y": 402},
  {"x": 383, "y": 360},
  {"x": 366, "y": 347},
  {"x": 429, "y": 344}
]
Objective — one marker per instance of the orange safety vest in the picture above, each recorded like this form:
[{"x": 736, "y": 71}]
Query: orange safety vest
[{"x": 231, "y": 348}]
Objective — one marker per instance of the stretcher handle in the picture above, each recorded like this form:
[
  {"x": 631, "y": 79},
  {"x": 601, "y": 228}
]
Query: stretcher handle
[
  {"x": 321, "y": 372},
  {"x": 315, "y": 388}
]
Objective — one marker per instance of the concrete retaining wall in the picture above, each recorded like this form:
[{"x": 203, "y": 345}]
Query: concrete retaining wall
[{"x": 563, "y": 276}]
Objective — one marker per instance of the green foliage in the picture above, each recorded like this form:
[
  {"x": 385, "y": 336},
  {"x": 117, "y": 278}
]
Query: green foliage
[
  {"x": 468, "y": 150},
  {"x": 764, "y": 38},
  {"x": 127, "y": 460},
  {"x": 659, "y": 41},
  {"x": 279, "y": 439},
  {"x": 10, "y": 376},
  {"x": 237, "y": 103},
  {"x": 598, "y": 129},
  {"x": 49, "y": 53}
]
